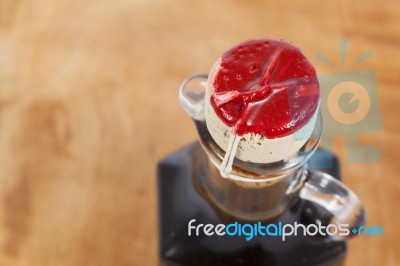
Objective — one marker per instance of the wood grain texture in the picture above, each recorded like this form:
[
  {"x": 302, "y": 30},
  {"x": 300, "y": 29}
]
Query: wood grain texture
[{"x": 88, "y": 105}]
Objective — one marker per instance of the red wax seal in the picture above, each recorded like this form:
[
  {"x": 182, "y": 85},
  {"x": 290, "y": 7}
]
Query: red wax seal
[{"x": 265, "y": 86}]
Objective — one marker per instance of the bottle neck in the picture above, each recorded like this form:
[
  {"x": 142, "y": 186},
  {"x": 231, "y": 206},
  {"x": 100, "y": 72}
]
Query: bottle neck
[
  {"x": 251, "y": 201},
  {"x": 255, "y": 191}
]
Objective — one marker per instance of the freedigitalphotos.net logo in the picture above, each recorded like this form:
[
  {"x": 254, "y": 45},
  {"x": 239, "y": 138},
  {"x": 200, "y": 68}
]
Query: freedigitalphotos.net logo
[{"x": 280, "y": 230}]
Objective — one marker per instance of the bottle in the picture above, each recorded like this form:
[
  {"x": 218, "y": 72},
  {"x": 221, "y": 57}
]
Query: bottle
[{"x": 198, "y": 201}]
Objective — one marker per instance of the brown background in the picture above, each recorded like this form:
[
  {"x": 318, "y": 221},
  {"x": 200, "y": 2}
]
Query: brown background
[{"x": 88, "y": 105}]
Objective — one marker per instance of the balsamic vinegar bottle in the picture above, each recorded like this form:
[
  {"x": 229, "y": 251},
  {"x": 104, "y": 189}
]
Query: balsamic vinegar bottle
[{"x": 209, "y": 182}]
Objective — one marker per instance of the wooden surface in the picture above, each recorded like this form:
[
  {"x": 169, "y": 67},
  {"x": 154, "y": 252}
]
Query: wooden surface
[{"x": 88, "y": 105}]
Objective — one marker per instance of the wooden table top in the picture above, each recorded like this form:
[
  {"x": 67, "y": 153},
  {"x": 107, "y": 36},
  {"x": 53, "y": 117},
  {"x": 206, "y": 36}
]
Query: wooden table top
[{"x": 83, "y": 85}]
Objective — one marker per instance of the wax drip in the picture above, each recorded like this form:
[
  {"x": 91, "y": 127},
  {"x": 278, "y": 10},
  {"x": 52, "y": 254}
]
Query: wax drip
[{"x": 226, "y": 165}]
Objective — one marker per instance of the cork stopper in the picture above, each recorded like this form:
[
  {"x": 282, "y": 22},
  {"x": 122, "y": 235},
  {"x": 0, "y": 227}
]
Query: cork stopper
[{"x": 250, "y": 147}]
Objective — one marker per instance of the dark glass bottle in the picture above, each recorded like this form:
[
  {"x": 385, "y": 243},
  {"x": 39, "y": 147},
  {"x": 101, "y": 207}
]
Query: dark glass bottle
[{"x": 191, "y": 187}]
